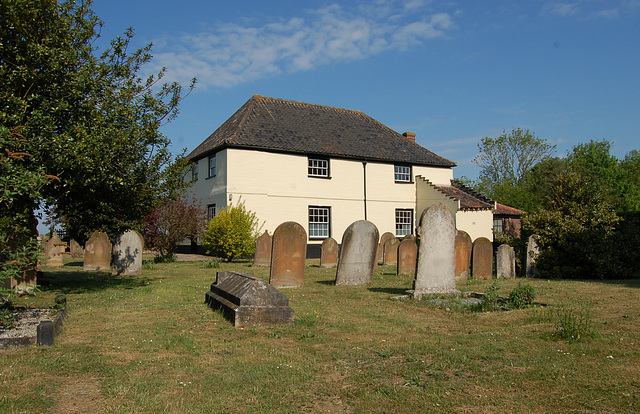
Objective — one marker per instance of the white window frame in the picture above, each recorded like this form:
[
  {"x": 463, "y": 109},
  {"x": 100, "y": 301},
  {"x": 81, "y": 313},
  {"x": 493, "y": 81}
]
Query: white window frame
[
  {"x": 212, "y": 166},
  {"x": 404, "y": 222},
  {"x": 402, "y": 173},
  {"x": 318, "y": 167},
  {"x": 194, "y": 171},
  {"x": 498, "y": 225},
  {"x": 319, "y": 222},
  {"x": 211, "y": 211}
]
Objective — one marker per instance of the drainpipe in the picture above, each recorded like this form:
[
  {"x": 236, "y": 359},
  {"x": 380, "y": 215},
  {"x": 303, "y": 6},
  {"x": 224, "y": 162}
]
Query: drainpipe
[{"x": 364, "y": 174}]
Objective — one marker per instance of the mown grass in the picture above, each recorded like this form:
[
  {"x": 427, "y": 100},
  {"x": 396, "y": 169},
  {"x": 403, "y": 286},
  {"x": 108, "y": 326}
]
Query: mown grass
[{"x": 150, "y": 344}]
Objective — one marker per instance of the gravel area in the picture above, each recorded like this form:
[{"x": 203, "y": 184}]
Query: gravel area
[{"x": 27, "y": 322}]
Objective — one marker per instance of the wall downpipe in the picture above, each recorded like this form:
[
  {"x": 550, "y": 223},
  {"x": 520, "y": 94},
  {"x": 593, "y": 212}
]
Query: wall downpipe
[{"x": 364, "y": 174}]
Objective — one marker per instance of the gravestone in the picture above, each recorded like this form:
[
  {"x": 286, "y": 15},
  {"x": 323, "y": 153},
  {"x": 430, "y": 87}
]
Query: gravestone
[
  {"x": 463, "y": 255},
  {"x": 329, "y": 253},
  {"x": 288, "y": 255},
  {"x": 435, "y": 272},
  {"x": 407, "y": 256},
  {"x": 246, "y": 300},
  {"x": 380, "y": 254},
  {"x": 482, "y": 258},
  {"x": 75, "y": 249},
  {"x": 55, "y": 251},
  {"x": 390, "y": 251},
  {"x": 127, "y": 254},
  {"x": 262, "y": 258},
  {"x": 505, "y": 262},
  {"x": 97, "y": 252},
  {"x": 533, "y": 250},
  {"x": 359, "y": 254}
]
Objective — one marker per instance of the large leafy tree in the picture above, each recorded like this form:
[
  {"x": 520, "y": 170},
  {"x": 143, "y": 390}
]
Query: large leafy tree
[{"x": 90, "y": 119}]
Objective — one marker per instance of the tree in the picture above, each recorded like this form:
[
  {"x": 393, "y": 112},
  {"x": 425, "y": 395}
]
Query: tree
[
  {"x": 232, "y": 232},
  {"x": 89, "y": 118},
  {"x": 505, "y": 162},
  {"x": 172, "y": 223}
]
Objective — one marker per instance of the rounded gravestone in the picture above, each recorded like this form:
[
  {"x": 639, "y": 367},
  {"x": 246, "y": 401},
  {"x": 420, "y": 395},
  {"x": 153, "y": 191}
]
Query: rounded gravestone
[
  {"x": 97, "y": 252},
  {"x": 407, "y": 256},
  {"x": 127, "y": 254},
  {"x": 463, "y": 255},
  {"x": 385, "y": 236},
  {"x": 359, "y": 254},
  {"x": 329, "y": 253},
  {"x": 505, "y": 262},
  {"x": 288, "y": 255},
  {"x": 390, "y": 251},
  {"x": 482, "y": 258},
  {"x": 262, "y": 257}
]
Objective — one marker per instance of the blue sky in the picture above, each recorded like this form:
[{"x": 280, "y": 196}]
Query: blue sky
[{"x": 450, "y": 71}]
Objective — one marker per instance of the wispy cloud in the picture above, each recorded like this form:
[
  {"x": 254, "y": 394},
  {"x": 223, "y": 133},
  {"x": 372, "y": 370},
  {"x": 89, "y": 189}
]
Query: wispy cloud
[
  {"x": 232, "y": 54},
  {"x": 590, "y": 9}
]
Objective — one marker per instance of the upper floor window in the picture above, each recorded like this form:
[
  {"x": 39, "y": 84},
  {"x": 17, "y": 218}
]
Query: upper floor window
[
  {"x": 402, "y": 173},
  {"x": 194, "y": 171},
  {"x": 318, "y": 167},
  {"x": 211, "y": 211},
  {"x": 404, "y": 221},
  {"x": 212, "y": 166},
  {"x": 319, "y": 222}
]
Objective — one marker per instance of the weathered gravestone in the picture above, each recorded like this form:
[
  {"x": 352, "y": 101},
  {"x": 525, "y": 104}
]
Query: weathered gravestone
[
  {"x": 407, "y": 256},
  {"x": 436, "y": 256},
  {"x": 463, "y": 255},
  {"x": 482, "y": 258},
  {"x": 55, "y": 251},
  {"x": 288, "y": 255},
  {"x": 390, "y": 251},
  {"x": 127, "y": 254},
  {"x": 383, "y": 239},
  {"x": 246, "y": 300},
  {"x": 329, "y": 253},
  {"x": 533, "y": 250},
  {"x": 359, "y": 254},
  {"x": 262, "y": 257},
  {"x": 505, "y": 262},
  {"x": 97, "y": 252},
  {"x": 75, "y": 249}
]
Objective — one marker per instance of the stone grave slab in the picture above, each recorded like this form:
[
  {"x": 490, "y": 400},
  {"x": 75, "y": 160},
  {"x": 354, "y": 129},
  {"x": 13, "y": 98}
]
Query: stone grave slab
[
  {"x": 482, "y": 258},
  {"x": 359, "y": 254},
  {"x": 463, "y": 255},
  {"x": 288, "y": 255},
  {"x": 407, "y": 256},
  {"x": 329, "y": 253},
  {"x": 127, "y": 254},
  {"x": 262, "y": 257},
  {"x": 97, "y": 252}
]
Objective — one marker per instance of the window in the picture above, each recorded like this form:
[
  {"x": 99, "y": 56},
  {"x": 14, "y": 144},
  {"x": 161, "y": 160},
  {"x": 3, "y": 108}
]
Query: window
[
  {"x": 318, "y": 167},
  {"x": 211, "y": 211},
  {"x": 319, "y": 220},
  {"x": 404, "y": 222},
  {"x": 194, "y": 171},
  {"x": 402, "y": 173},
  {"x": 497, "y": 225},
  {"x": 212, "y": 166}
]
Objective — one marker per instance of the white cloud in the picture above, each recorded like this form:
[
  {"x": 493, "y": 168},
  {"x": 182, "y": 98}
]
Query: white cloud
[{"x": 233, "y": 54}]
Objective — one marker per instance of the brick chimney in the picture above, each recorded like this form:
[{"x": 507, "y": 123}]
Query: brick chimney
[{"x": 411, "y": 136}]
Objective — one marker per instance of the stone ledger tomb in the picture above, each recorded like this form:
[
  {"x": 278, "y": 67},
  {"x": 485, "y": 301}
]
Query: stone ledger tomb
[
  {"x": 329, "y": 253},
  {"x": 262, "y": 258},
  {"x": 288, "y": 255},
  {"x": 127, "y": 254},
  {"x": 97, "y": 252},
  {"x": 248, "y": 301},
  {"x": 359, "y": 254},
  {"x": 435, "y": 273}
]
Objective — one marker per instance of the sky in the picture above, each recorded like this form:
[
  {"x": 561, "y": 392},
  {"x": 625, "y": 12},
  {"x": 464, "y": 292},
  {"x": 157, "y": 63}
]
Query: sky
[{"x": 451, "y": 71}]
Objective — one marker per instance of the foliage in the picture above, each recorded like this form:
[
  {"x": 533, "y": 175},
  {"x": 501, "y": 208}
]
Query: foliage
[
  {"x": 212, "y": 264},
  {"x": 573, "y": 321},
  {"x": 490, "y": 299},
  {"x": 522, "y": 296},
  {"x": 232, "y": 232},
  {"x": 90, "y": 119},
  {"x": 170, "y": 224}
]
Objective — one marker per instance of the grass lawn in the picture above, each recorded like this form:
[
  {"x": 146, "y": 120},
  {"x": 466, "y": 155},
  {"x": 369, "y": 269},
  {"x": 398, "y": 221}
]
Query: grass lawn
[{"x": 149, "y": 344}]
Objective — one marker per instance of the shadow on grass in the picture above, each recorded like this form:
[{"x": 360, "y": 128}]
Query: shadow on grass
[
  {"x": 83, "y": 282},
  {"x": 330, "y": 282},
  {"x": 391, "y": 291}
]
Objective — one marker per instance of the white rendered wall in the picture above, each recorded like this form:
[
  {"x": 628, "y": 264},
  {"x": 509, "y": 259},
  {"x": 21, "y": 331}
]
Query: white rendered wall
[{"x": 476, "y": 223}]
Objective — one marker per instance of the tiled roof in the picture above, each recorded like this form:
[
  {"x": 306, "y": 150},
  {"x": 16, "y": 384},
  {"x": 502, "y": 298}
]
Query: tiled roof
[
  {"x": 504, "y": 210},
  {"x": 469, "y": 199},
  {"x": 271, "y": 124}
]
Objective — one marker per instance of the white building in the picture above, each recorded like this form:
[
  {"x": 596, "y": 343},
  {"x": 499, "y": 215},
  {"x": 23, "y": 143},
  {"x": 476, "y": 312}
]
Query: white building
[{"x": 325, "y": 168}]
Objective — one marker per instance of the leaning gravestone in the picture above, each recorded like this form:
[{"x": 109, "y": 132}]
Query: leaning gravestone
[
  {"x": 262, "y": 258},
  {"x": 383, "y": 239},
  {"x": 505, "y": 262},
  {"x": 75, "y": 249},
  {"x": 463, "y": 255},
  {"x": 436, "y": 256},
  {"x": 97, "y": 252},
  {"x": 359, "y": 254},
  {"x": 246, "y": 300},
  {"x": 329, "y": 253},
  {"x": 390, "y": 251},
  {"x": 288, "y": 255},
  {"x": 127, "y": 254},
  {"x": 54, "y": 251},
  {"x": 482, "y": 258},
  {"x": 407, "y": 256},
  {"x": 533, "y": 250}
]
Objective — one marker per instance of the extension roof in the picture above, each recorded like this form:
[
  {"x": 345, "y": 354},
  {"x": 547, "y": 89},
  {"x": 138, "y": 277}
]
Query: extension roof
[
  {"x": 278, "y": 125},
  {"x": 469, "y": 199},
  {"x": 504, "y": 210}
]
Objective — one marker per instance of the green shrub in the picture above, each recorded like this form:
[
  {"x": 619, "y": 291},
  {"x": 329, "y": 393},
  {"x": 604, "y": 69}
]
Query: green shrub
[
  {"x": 491, "y": 300},
  {"x": 212, "y": 264},
  {"x": 232, "y": 233},
  {"x": 522, "y": 296},
  {"x": 573, "y": 321}
]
